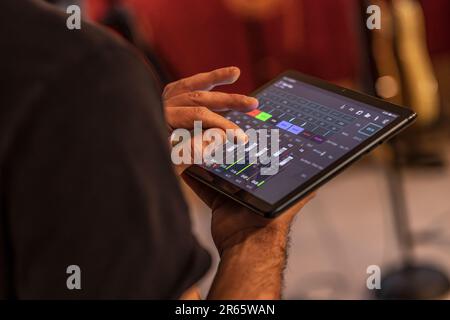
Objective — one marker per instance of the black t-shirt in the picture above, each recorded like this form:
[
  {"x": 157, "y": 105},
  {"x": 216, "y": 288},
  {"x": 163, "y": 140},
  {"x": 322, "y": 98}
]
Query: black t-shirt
[{"x": 85, "y": 170}]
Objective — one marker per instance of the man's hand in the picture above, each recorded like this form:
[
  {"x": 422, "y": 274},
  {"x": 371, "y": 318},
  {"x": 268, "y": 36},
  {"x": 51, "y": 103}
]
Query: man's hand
[
  {"x": 252, "y": 248},
  {"x": 190, "y": 99},
  {"x": 232, "y": 223}
]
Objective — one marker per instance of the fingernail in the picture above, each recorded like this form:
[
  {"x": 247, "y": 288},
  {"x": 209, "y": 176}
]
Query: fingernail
[
  {"x": 234, "y": 69},
  {"x": 252, "y": 102},
  {"x": 243, "y": 138},
  {"x": 235, "y": 72}
]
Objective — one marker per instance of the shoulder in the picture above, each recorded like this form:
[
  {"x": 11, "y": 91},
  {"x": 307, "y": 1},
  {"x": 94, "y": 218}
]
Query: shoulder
[
  {"x": 37, "y": 44},
  {"x": 92, "y": 63}
]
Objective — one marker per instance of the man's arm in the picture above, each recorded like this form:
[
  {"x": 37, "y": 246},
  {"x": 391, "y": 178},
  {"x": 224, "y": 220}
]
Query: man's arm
[
  {"x": 252, "y": 248},
  {"x": 253, "y": 268}
]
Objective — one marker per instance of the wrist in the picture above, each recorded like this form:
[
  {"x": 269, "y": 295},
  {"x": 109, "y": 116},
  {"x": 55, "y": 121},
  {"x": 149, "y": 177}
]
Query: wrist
[
  {"x": 268, "y": 238},
  {"x": 252, "y": 267}
]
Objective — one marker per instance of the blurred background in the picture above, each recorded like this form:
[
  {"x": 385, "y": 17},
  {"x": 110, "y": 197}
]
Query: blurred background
[{"x": 392, "y": 209}]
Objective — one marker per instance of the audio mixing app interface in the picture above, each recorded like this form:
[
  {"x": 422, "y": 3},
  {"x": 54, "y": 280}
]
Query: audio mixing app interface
[{"x": 316, "y": 127}]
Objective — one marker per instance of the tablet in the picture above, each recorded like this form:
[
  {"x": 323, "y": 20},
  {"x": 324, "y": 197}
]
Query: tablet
[{"x": 321, "y": 129}]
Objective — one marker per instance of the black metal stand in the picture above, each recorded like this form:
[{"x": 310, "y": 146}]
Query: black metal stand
[{"x": 411, "y": 280}]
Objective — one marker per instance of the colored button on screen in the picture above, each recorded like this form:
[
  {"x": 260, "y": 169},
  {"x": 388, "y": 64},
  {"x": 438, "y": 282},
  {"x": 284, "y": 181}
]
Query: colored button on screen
[
  {"x": 370, "y": 129},
  {"x": 295, "y": 129},
  {"x": 263, "y": 116},
  {"x": 319, "y": 139},
  {"x": 254, "y": 113},
  {"x": 284, "y": 125}
]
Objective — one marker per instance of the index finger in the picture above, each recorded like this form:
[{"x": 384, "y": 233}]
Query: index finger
[{"x": 202, "y": 81}]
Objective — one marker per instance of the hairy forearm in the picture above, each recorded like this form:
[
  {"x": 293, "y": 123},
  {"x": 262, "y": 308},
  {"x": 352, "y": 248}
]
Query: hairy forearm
[{"x": 253, "y": 267}]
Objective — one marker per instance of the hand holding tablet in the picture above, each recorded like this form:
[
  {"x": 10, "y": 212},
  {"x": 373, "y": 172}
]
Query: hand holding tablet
[{"x": 320, "y": 128}]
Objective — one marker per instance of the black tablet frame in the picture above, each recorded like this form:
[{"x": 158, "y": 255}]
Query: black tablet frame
[{"x": 405, "y": 118}]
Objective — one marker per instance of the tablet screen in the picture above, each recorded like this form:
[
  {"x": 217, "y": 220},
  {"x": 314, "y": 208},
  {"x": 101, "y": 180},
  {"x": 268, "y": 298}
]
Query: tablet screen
[{"x": 316, "y": 128}]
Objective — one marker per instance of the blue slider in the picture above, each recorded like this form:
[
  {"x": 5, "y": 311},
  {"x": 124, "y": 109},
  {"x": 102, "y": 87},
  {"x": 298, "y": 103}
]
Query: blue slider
[
  {"x": 284, "y": 125},
  {"x": 295, "y": 129}
]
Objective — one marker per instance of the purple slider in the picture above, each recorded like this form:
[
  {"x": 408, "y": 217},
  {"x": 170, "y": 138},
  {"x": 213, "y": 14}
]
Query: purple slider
[{"x": 319, "y": 139}]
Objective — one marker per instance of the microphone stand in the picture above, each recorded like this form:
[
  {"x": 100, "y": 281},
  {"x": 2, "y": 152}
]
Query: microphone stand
[{"x": 410, "y": 280}]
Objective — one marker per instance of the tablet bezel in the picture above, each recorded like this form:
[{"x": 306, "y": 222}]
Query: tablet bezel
[{"x": 405, "y": 117}]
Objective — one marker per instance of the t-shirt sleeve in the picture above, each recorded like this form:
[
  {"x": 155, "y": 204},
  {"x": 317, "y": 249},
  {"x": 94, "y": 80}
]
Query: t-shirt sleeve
[{"x": 90, "y": 184}]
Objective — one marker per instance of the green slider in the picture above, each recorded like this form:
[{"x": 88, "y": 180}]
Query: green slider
[
  {"x": 233, "y": 163},
  {"x": 245, "y": 168},
  {"x": 261, "y": 183},
  {"x": 263, "y": 116}
]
